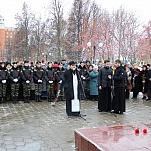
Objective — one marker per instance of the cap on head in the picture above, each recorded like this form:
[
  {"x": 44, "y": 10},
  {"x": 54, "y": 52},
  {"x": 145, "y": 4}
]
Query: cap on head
[
  {"x": 15, "y": 62},
  {"x": 26, "y": 61},
  {"x": 72, "y": 63},
  {"x": 38, "y": 62}
]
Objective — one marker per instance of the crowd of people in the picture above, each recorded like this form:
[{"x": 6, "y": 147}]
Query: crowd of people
[{"x": 108, "y": 84}]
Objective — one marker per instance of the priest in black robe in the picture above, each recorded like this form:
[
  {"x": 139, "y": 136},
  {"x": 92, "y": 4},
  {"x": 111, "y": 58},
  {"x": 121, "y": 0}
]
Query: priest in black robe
[
  {"x": 72, "y": 89},
  {"x": 105, "y": 84},
  {"x": 119, "y": 79}
]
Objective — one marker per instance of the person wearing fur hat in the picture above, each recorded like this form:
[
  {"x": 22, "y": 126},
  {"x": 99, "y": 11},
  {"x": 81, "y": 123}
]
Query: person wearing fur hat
[
  {"x": 38, "y": 77},
  {"x": 3, "y": 82},
  {"x": 72, "y": 89},
  {"x": 26, "y": 75},
  {"x": 14, "y": 77}
]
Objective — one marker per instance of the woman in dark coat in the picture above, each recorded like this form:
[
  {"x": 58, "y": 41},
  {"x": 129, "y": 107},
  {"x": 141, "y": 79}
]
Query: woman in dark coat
[{"x": 72, "y": 88}]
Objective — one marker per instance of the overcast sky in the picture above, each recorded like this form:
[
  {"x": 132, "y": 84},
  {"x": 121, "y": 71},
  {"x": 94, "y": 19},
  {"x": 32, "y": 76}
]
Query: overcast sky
[{"x": 8, "y": 8}]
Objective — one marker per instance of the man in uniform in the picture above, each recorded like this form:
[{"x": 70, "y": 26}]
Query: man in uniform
[
  {"x": 8, "y": 88},
  {"x": 14, "y": 77},
  {"x": 3, "y": 82},
  {"x": 38, "y": 77},
  {"x": 49, "y": 76},
  {"x": 26, "y": 75}
]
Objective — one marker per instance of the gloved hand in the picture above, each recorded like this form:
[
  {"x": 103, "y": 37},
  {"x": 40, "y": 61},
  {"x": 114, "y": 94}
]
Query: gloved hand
[
  {"x": 50, "y": 82},
  {"x": 15, "y": 80},
  {"x": 83, "y": 78},
  {"x": 3, "y": 81},
  {"x": 27, "y": 81},
  {"x": 39, "y": 81},
  {"x": 60, "y": 81}
]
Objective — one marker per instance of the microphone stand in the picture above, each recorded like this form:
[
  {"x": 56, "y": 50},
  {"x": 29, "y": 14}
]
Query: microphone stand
[{"x": 79, "y": 79}]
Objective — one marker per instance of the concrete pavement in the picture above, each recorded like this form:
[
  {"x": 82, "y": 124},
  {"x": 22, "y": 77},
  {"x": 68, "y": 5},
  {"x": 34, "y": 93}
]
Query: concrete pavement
[{"x": 38, "y": 126}]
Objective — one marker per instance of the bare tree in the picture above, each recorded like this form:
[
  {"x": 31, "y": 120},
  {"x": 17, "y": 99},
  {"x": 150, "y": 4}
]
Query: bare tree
[
  {"x": 23, "y": 30},
  {"x": 56, "y": 28}
]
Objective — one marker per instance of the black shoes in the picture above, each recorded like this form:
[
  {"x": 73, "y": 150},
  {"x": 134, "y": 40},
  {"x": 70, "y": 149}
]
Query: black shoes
[
  {"x": 117, "y": 112},
  {"x": 144, "y": 98}
]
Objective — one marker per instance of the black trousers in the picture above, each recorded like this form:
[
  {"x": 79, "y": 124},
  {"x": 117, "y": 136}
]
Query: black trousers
[
  {"x": 104, "y": 101},
  {"x": 119, "y": 99}
]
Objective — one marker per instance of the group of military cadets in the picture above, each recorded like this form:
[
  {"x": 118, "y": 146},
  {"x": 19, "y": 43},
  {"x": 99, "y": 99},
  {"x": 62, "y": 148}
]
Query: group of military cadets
[{"x": 16, "y": 80}]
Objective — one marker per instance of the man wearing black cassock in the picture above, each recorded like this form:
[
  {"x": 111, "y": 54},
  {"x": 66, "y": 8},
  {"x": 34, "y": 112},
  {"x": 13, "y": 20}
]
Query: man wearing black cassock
[
  {"x": 105, "y": 83},
  {"x": 119, "y": 78},
  {"x": 72, "y": 88}
]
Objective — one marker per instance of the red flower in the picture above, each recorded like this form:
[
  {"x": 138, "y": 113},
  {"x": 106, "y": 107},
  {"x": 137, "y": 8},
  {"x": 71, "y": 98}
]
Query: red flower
[
  {"x": 39, "y": 76},
  {"x": 28, "y": 75},
  {"x": 16, "y": 72}
]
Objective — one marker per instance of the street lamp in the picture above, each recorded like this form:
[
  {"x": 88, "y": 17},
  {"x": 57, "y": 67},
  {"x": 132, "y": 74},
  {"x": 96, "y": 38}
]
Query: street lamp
[
  {"x": 89, "y": 45},
  {"x": 100, "y": 47},
  {"x": 94, "y": 48}
]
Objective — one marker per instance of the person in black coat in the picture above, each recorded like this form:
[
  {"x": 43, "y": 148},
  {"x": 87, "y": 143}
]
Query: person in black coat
[
  {"x": 26, "y": 76},
  {"x": 119, "y": 79},
  {"x": 38, "y": 77},
  {"x": 14, "y": 77},
  {"x": 104, "y": 84},
  {"x": 136, "y": 81},
  {"x": 148, "y": 77},
  {"x": 72, "y": 86},
  {"x": 49, "y": 76},
  {"x": 144, "y": 82},
  {"x": 3, "y": 82}
]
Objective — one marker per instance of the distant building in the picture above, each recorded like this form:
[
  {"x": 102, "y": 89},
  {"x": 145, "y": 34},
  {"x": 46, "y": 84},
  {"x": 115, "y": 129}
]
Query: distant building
[
  {"x": 6, "y": 41},
  {"x": 2, "y": 38},
  {"x": 9, "y": 43}
]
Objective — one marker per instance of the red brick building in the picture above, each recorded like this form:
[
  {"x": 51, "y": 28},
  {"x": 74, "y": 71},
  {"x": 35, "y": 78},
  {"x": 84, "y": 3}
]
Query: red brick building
[
  {"x": 2, "y": 38},
  {"x": 6, "y": 41}
]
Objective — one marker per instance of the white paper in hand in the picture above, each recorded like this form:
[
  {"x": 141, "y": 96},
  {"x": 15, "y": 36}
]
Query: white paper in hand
[{"x": 75, "y": 105}]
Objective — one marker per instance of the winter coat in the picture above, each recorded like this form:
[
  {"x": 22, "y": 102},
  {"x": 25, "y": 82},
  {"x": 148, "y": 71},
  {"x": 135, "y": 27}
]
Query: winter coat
[
  {"x": 93, "y": 83},
  {"x": 26, "y": 73},
  {"x": 3, "y": 74},
  {"x": 38, "y": 74},
  {"x": 148, "y": 76},
  {"x": 14, "y": 74},
  {"x": 119, "y": 77},
  {"x": 49, "y": 74},
  {"x": 103, "y": 79}
]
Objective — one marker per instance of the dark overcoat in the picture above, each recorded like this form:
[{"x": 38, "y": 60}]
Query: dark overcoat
[{"x": 119, "y": 78}]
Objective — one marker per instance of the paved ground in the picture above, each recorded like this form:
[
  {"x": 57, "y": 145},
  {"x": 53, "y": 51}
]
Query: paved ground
[{"x": 41, "y": 127}]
